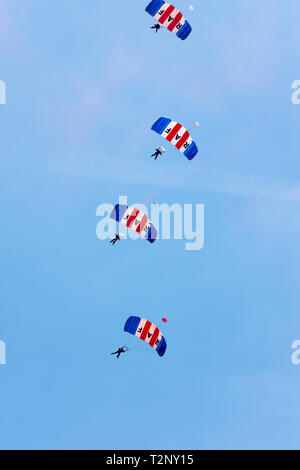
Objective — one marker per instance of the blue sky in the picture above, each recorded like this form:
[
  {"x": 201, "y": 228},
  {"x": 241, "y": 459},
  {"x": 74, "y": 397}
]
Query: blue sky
[{"x": 85, "y": 81}]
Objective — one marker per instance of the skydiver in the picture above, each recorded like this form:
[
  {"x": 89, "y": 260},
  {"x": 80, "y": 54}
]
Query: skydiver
[
  {"x": 123, "y": 349},
  {"x": 158, "y": 152},
  {"x": 114, "y": 240},
  {"x": 156, "y": 27}
]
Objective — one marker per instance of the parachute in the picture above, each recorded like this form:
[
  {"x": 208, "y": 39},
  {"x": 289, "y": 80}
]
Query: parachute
[
  {"x": 177, "y": 135},
  {"x": 136, "y": 220},
  {"x": 169, "y": 17},
  {"x": 148, "y": 332}
]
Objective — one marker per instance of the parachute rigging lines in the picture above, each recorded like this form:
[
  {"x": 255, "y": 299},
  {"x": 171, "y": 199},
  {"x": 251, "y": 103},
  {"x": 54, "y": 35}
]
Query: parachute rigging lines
[
  {"x": 169, "y": 17},
  {"x": 177, "y": 135},
  {"x": 136, "y": 220},
  {"x": 148, "y": 332}
]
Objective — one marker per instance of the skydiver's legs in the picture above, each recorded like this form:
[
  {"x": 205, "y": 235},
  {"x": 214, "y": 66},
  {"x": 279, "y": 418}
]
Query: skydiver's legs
[
  {"x": 120, "y": 350},
  {"x": 114, "y": 240},
  {"x": 156, "y": 154}
]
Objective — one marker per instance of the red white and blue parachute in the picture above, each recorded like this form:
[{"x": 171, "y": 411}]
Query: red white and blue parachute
[
  {"x": 148, "y": 332},
  {"x": 169, "y": 17},
  {"x": 136, "y": 220},
  {"x": 177, "y": 135}
]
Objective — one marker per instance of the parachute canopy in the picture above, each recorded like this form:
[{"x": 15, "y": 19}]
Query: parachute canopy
[
  {"x": 136, "y": 220},
  {"x": 148, "y": 332},
  {"x": 169, "y": 17},
  {"x": 177, "y": 135}
]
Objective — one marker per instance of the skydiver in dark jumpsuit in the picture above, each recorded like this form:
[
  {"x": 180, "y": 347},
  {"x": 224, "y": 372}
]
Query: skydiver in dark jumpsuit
[
  {"x": 119, "y": 351},
  {"x": 156, "y": 154},
  {"x": 156, "y": 27},
  {"x": 114, "y": 240}
]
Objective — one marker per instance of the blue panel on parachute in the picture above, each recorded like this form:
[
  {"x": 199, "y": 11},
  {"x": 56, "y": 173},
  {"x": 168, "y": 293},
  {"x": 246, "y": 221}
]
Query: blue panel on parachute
[
  {"x": 131, "y": 325},
  {"x": 191, "y": 151},
  {"x": 160, "y": 125},
  {"x": 152, "y": 234},
  {"x": 184, "y": 31},
  {"x": 161, "y": 348},
  {"x": 154, "y": 6},
  {"x": 118, "y": 212}
]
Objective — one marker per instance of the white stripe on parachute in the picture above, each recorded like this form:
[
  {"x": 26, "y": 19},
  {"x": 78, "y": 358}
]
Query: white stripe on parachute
[
  {"x": 161, "y": 11},
  {"x": 178, "y": 135},
  {"x": 126, "y": 216},
  {"x": 168, "y": 129},
  {"x": 140, "y": 327},
  {"x": 158, "y": 340},
  {"x": 150, "y": 332},
  {"x": 186, "y": 144},
  {"x": 171, "y": 18},
  {"x": 178, "y": 26}
]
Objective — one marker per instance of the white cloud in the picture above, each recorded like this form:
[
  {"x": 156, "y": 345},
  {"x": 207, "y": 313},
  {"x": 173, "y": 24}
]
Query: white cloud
[{"x": 134, "y": 169}]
